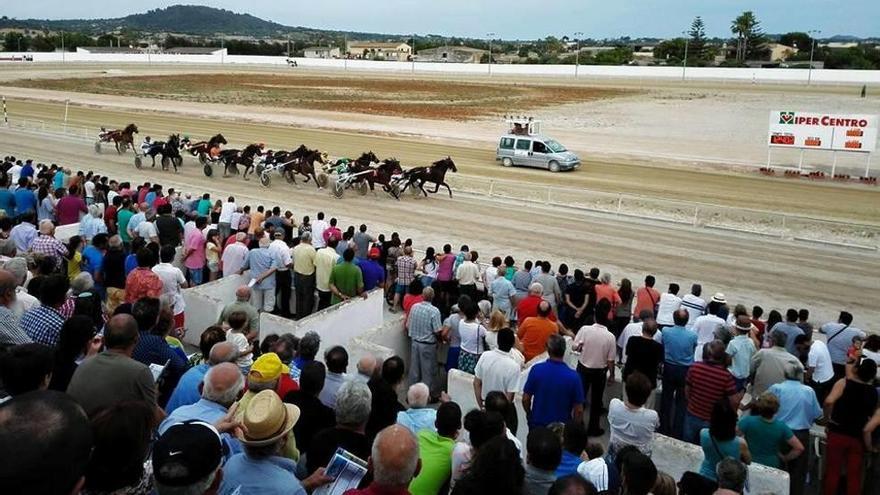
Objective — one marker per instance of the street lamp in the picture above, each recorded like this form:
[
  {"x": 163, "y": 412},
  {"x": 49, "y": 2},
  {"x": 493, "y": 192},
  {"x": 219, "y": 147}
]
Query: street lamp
[
  {"x": 685, "y": 61},
  {"x": 812, "y": 47},
  {"x": 577, "y": 53},
  {"x": 490, "y": 35},
  {"x": 412, "y": 53}
]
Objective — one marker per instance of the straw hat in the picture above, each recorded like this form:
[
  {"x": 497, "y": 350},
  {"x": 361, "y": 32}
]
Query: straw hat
[{"x": 267, "y": 419}]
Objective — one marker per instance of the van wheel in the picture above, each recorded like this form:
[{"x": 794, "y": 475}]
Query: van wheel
[
  {"x": 554, "y": 166},
  {"x": 507, "y": 162}
]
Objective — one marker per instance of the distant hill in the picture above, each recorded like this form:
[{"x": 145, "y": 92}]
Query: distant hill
[{"x": 182, "y": 19}]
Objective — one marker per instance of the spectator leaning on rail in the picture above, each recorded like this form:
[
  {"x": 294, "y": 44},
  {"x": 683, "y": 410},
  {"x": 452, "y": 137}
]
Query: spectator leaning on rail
[{"x": 424, "y": 330}]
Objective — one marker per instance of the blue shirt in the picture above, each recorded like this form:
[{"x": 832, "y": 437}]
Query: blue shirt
[
  {"x": 27, "y": 171},
  {"x": 207, "y": 411},
  {"x": 150, "y": 198},
  {"x": 58, "y": 180},
  {"x": 714, "y": 452},
  {"x": 798, "y": 406},
  {"x": 273, "y": 476},
  {"x": 25, "y": 200},
  {"x": 555, "y": 389},
  {"x": 568, "y": 465},
  {"x": 741, "y": 349},
  {"x": 131, "y": 263},
  {"x": 260, "y": 261},
  {"x": 93, "y": 259},
  {"x": 679, "y": 345},
  {"x": 416, "y": 420},
  {"x": 187, "y": 390},
  {"x": 153, "y": 349},
  {"x": 7, "y": 202},
  {"x": 373, "y": 274},
  {"x": 791, "y": 331}
]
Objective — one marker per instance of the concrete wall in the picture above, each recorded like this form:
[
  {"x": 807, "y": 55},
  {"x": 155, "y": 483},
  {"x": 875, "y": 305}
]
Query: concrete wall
[
  {"x": 205, "y": 303},
  {"x": 64, "y": 232},
  {"x": 819, "y": 76}
]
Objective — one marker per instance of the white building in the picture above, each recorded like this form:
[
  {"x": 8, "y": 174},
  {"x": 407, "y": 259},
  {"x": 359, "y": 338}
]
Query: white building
[{"x": 321, "y": 52}]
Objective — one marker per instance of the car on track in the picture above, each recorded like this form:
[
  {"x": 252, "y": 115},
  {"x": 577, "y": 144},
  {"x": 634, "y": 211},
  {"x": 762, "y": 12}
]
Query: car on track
[{"x": 524, "y": 145}]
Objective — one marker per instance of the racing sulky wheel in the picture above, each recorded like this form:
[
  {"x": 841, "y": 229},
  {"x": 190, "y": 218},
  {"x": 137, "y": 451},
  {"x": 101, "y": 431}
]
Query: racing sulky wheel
[
  {"x": 97, "y": 146},
  {"x": 137, "y": 162},
  {"x": 265, "y": 179},
  {"x": 338, "y": 189},
  {"x": 208, "y": 169}
]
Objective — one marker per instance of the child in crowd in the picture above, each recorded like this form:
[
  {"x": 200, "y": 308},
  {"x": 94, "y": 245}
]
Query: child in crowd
[{"x": 240, "y": 335}]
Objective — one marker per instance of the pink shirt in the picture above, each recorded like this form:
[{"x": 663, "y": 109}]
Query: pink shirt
[
  {"x": 195, "y": 241},
  {"x": 597, "y": 344},
  {"x": 444, "y": 268}
]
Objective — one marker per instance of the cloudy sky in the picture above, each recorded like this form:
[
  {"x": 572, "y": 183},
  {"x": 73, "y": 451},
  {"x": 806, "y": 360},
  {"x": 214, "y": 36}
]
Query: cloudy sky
[{"x": 508, "y": 18}]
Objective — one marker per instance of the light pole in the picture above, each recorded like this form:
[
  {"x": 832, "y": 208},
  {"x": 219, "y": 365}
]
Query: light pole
[
  {"x": 685, "y": 61},
  {"x": 62, "y": 46},
  {"x": 490, "y": 35},
  {"x": 412, "y": 54},
  {"x": 812, "y": 48},
  {"x": 577, "y": 53},
  {"x": 345, "y": 51}
]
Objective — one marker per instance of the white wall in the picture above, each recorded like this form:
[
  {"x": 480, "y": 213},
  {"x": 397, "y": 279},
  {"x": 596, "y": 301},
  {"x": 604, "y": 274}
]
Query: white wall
[
  {"x": 64, "y": 232},
  {"x": 819, "y": 76}
]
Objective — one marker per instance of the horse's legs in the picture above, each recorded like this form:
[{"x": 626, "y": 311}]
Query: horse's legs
[
  {"x": 448, "y": 188},
  {"x": 436, "y": 187},
  {"x": 422, "y": 187},
  {"x": 315, "y": 177}
]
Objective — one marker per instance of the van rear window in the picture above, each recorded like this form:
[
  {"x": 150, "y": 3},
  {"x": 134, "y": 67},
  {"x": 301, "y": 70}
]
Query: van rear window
[{"x": 506, "y": 143}]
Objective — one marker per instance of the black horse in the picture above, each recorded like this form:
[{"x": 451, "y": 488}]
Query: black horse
[
  {"x": 170, "y": 151},
  {"x": 305, "y": 165},
  {"x": 207, "y": 149},
  {"x": 383, "y": 175},
  {"x": 435, "y": 174},
  {"x": 232, "y": 158}
]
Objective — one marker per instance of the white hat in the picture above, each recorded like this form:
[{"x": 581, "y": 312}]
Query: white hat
[{"x": 719, "y": 298}]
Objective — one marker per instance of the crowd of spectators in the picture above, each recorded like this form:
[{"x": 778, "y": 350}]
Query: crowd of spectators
[{"x": 102, "y": 397}]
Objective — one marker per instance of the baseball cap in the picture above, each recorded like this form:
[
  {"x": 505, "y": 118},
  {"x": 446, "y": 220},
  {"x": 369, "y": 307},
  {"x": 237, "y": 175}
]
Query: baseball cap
[
  {"x": 266, "y": 368},
  {"x": 186, "y": 453}
]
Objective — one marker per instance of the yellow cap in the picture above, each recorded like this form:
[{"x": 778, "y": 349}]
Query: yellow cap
[{"x": 266, "y": 368}]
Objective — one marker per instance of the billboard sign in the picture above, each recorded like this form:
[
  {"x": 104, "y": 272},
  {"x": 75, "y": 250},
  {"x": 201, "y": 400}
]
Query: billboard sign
[{"x": 818, "y": 131}]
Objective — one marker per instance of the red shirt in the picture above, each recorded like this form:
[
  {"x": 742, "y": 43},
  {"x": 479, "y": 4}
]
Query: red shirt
[
  {"x": 142, "y": 282},
  {"x": 286, "y": 385},
  {"x": 69, "y": 208},
  {"x": 332, "y": 231},
  {"x": 159, "y": 202},
  {"x": 708, "y": 383},
  {"x": 606, "y": 291},
  {"x": 528, "y": 308},
  {"x": 110, "y": 214},
  {"x": 646, "y": 298}
]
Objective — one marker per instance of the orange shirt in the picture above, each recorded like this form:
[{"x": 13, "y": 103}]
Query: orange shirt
[
  {"x": 533, "y": 333},
  {"x": 646, "y": 298},
  {"x": 257, "y": 219}
]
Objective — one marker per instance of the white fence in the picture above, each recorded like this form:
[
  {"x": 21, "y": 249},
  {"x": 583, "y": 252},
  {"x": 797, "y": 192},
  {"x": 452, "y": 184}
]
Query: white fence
[{"x": 819, "y": 76}]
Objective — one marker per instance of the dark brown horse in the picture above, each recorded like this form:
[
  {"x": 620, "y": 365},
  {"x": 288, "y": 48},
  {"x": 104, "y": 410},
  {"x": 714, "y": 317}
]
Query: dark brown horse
[
  {"x": 206, "y": 149},
  {"x": 122, "y": 139},
  {"x": 435, "y": 174},
  {"x": 383, "y": 174},
  {"x": 233, "y": 158},
  {"x": 305, "y": 165}
]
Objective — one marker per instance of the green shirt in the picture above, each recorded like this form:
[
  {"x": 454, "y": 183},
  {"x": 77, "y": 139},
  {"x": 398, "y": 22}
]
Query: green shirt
[
  {"x": 204, "y": 207},
  {"x": 765, "y": 438},
  {"x": 122, "y": 219},
  {"x": 348, "y": 279},
  {"x": 436, "y": 454}
]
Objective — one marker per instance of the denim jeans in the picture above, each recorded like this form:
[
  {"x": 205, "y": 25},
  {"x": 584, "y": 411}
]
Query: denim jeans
[
  {"x": 196, "y": 275},
  {"x": 672, "y": 400},
  {"x": 692, "y": 427}
]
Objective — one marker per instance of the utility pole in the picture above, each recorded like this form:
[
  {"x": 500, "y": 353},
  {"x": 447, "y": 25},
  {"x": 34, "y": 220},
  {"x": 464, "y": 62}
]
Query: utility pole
[
  {"x": 812, "y": 32},
  {"x": 685, "y": 61},
  {"x": 345, "y": 51},
  {"x": 490, "y": 35},
  {"x": 62, "y": 46},
  {"x": 577, "y": 54},
  {"x": 412, "y": 54}
]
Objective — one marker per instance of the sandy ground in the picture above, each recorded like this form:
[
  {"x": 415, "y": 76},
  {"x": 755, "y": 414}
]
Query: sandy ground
[{"x": 749, "y": 270}]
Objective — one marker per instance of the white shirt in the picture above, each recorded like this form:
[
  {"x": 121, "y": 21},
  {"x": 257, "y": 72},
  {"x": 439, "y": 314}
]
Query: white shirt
[
  {"x": 236, "y": 219},
  {"x": 705, "y": 327},
  {"x": 492, "y": 343},
  {"x": 695, "y": 307},
  {"x": 23, "y": 302},
  {"x": 471, "y": 336},
  {"x": 15, "y": 172},
  {"x": 634, "y": 427},
  {"x": 467, "y": 273},
  {"x": 147, "y": 230},
  {"x": 280, "y": 248},
  {"x": 633, "y": 330},
  {"x": 233, "y": 259},
  {"x": 498, "y": 372},
  {"x": 89, "y": 187},
  {"x": 669, "y": 303},
  {"x": 226, "y": 212},
  {"x": 318, "y": 228},
  {"x": 489, "y": 276},
  {"x": 110, "y": 195},
  {"x": 172, "y": 279},
  {"x": 240, "y": 342},
  {"x": 819, "y": 359}
]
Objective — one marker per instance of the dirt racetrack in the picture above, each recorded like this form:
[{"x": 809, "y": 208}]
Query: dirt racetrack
[{"x": 748, "y": 269}]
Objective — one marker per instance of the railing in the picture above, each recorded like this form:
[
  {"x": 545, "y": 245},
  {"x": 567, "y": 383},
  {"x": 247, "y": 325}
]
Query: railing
[{"x": 771, "y": 224}]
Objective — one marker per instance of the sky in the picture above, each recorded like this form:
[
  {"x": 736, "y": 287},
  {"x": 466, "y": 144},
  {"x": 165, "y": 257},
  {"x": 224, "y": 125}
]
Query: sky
[{"x": 509, "y": 19}]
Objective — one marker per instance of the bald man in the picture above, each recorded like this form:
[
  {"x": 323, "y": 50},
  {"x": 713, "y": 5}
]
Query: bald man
[
  {"x": 534, "y": 331},
  {"x": 113, "y": 376},
  {"x": 10, "y": 332},
  {"x": 47, "y": 245},
  {"x": 187, "y": 390},
  {"x": 221, "y": 387},
  {"x": 394, "y": 462},
  {"x": 366, "y": 367},
  {"x": 242, "y": 298}
]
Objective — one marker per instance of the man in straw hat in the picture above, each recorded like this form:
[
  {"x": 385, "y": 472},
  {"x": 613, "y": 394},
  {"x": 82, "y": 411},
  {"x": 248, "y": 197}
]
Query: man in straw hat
[
  {"x": 261, "y": 469},
  {"x": 269, "y": 373}
]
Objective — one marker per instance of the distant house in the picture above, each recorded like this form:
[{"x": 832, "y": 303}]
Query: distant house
[
  {"x": 780, "y": 52},
  {"x": 379, "y": 50},
  {"x": 109, "y": 49},
  {"x": 321, "y": 52},
  {"x": 453, "y": 54},
  {"x": 185, "y": 50},
  {"x": 195, "y": 50}
]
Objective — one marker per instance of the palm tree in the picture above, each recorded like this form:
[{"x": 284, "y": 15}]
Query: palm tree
[{"x": 746, "y": 27}]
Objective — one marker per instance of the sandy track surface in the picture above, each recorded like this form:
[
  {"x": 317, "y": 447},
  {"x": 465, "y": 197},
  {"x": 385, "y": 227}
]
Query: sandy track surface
[
  {"x": 747, "y": 269},
  {"x": 823, "y": 200}
]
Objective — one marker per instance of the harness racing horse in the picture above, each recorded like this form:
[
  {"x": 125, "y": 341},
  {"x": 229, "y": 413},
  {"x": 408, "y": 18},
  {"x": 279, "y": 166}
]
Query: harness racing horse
[
  {"x": 205, "y": 149},
  {"x": 384, "y": 175},
  {"x": 122, "y": 139},
  {"x": 305, "y": 165},
  {"x": 435, "y": 174},
  {"x": 170, "y": 153},
  {"x": 232, "y": 158}
]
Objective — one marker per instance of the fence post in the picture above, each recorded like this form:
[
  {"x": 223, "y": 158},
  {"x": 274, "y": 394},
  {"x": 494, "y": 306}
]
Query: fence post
[
  {"x": 491, "y": 188},
  {"x": 619, "y": 203},
  {"x": 696, "y": 214},
  {"x": 782, "y": 235}
]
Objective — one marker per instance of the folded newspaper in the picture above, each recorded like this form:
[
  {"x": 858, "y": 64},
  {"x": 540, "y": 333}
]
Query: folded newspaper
[{"x": 347, "y": 471}]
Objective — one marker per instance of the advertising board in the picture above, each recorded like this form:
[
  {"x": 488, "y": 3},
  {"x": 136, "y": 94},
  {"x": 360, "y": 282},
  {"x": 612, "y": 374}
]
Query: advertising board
[{"x": 807, "y": 130}]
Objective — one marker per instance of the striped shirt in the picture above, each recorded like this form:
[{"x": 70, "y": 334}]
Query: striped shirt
[{"x": 707, "y": 384}]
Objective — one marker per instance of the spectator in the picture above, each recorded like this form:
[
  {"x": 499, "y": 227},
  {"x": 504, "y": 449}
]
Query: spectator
[
  {"x": 522, "y": 280},
  {"x": 423, "y": 329},
  {"x": 707, "y": 383},
  {"x": 849, "y": 406},
  {"x": 385, "y": 406},
  {"x": 352, "y": 413},
  {"x": 46, "y": 206},
  {"x": 152, "y": 348},
  {"x": 25, "y": 368},
  {"x": 495, "y": 468},
  {"x": 346, "y": 280},
  {"x": 373, "y": 272},
  {"x": 336, "y": 359},
  {"x": 574, "y": 442},
  {"x": 325, "y": 259},
  {"x": 572, "y": 485},
  {"x": 194, "y": 252},
  {"x": 790, "y": 328},
  {"x": 534, "y": 332},
  {"x": 496, "y": 370},
  {"x": 121, "y": 434},
  {"x": 23, "y": 301},
  {"x": 767, "y": 437},
  {"x": 218, "y": 351},
  {"x": 528, "y": 306},
  {"x": 43, "y": 323},
  {"x": 92, "y": 224},
  {"x": 694, "y": 304},
  {"x": 669, "y": 304},
  {"x": 306, "y": 352},
  {"x": 413, "y": 297},
  {"x": 142, "y": 282},
  {"x": 113, "y": 376},
  {"x": 630, "y": 421},
  {"x": 394, "y": 461},
  {"x": 545, "y": 454},
  {"x": 646, "y": 355},
  {"x": 637, "y": 474},
  {"x": 241, "y": 337},
  {"x": 10, "y": 331},
  {"x": 70, "y": 207},
  {"x": 304, "y": 275},
  {"x": 112, "y": 273},
  {"x": 283, "y": 280},
  {"x": 768, "y": 365},
  {"x": 366, "y": 368},
  {"x": 497, "y": 402},
  {"x": 319, "y": 226},
  {"x": 435, "y": 448},
  {"x": 798, "y": 409},
  {"x": 580, "y": 300},
  {"x": 25, "y": 232},
  {"x": 740, "y": 351},
  {"x": 708, "y": 327},
  {"x": 551, "y": 292},
  {"x": 623, "y": 311},
  {"x": 314, "y": 415},
  {"x": 235, "y": 256},
  {"x": 172, "y": 282},
  {"x": 679, "y": 344},
  {"x": 419, "y": 416},
  {"x": 52, "y": 442},
  {"x": 260, "y": 468},
  {"x": 187, "y": 459},
  {"x": 598, "y": 352},
  {"x": 241, "y": 304},
  {"x": 47, "y": 245},
  {"x": 503, "y": 294},
  {"x": 732, "y": 476},
  {"x": 262, "y": 263},
  {"x": 472, "y": 334},
  {"x": 804, "y": 324},
  {"x": 839, "y": 338},
  {"x": 553, "y": 392},
  {"x": 77, "y": 343},
  {"x": 406, "y": 266},
  {"x": 719, "y": 440},
  {"x": 604, "y": 290},
  {"x": 226, "y": 212}
]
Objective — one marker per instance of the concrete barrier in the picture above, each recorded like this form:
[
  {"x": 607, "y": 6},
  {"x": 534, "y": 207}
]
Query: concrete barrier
[
  {"x": 64, "y": 232},
  {"x": 205, "y": 303}
]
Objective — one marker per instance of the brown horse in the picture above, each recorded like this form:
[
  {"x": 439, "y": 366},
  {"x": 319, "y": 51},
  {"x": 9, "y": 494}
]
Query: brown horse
[
  {"x": 304, "y": 164},
  {"x": 383, "y": 174},
  {"x": 205, "y": 149},
  {"x": 122, "y": 139},
  {"x": 435, "y": 174},
  {"x": 233, "y": 158}
]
